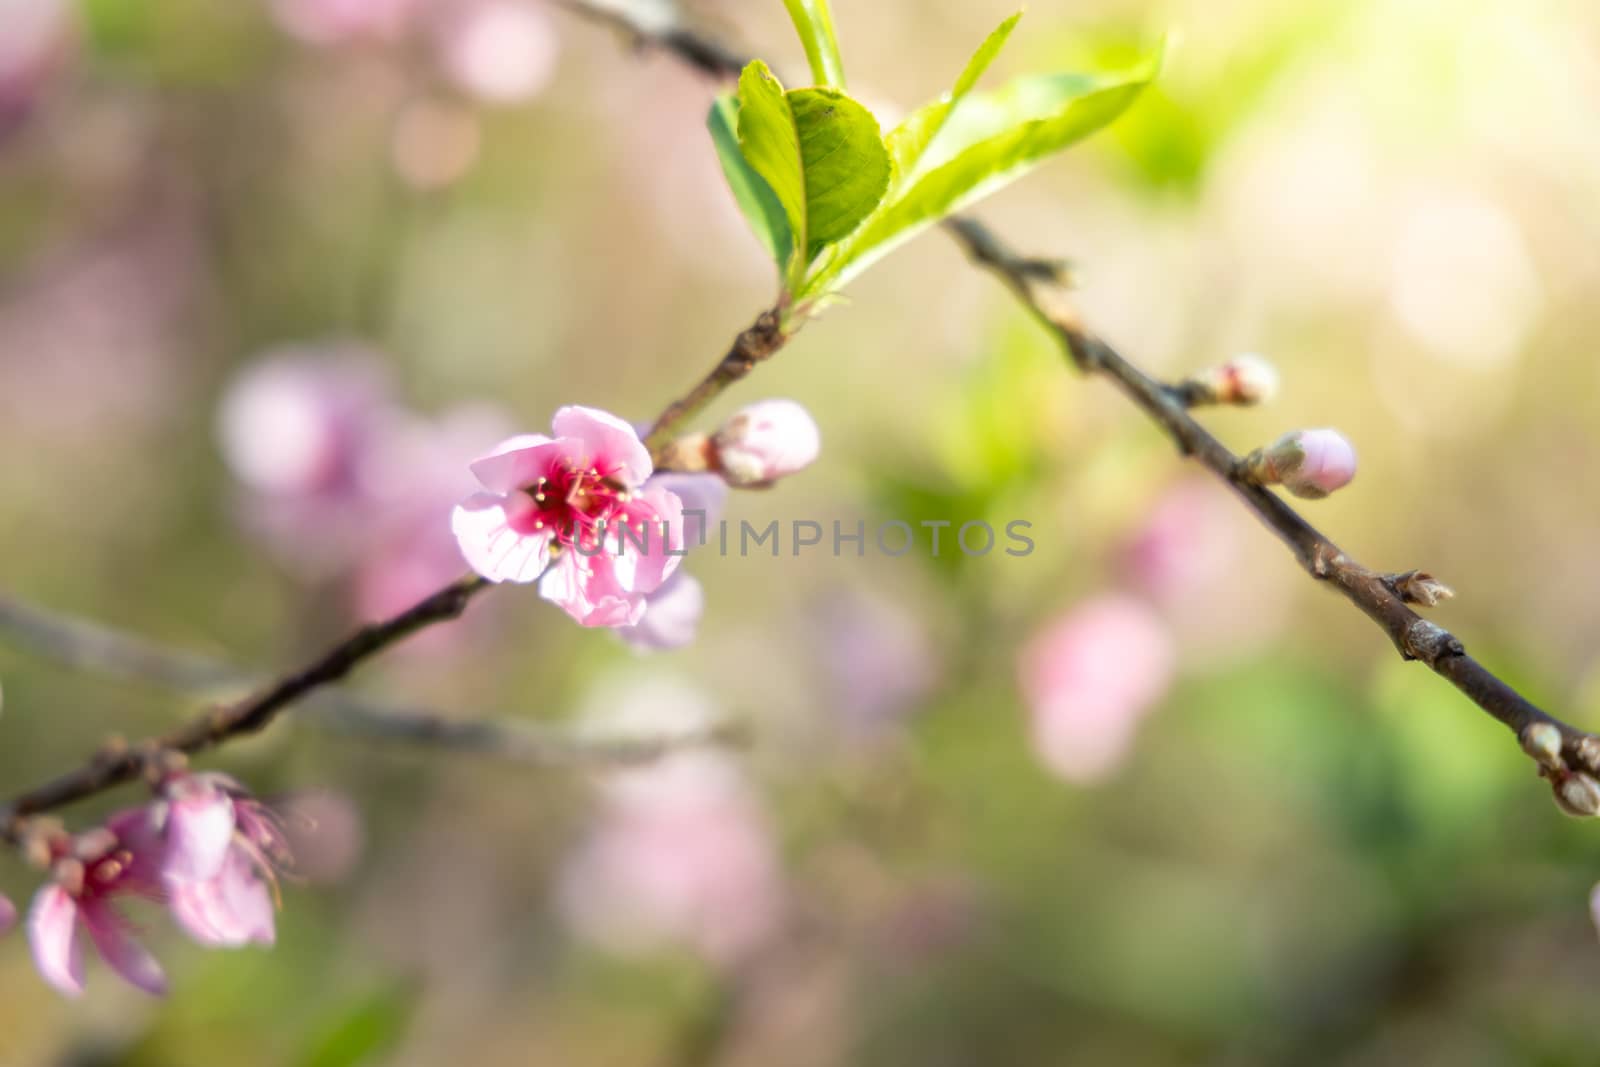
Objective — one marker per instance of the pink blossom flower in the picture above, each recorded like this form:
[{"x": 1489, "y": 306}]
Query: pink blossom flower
[
  {"x": 1308, "y": 463},
  {"x": 765, "y": 442},
  {"x": 572, "y": 512},
  {"x": 223, "y": 848},
  {"x": 1089, "y": 678},
  {"x": 123, "y": 859}
]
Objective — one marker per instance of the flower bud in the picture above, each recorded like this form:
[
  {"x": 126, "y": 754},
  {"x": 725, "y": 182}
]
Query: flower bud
[
  {"x": 1578, "y": 795},
  {"x": 1542, "y": 741},
  {"x": 1588, "y": 748},
  {"x": 1308, "y": 463},
  {"x": 1244, "y": 380},
  {"x": 765, "y": 442},
  {"x": 1420, "y": 587}
]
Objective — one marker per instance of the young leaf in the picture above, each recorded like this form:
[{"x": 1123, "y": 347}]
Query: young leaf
[
  {"x": 814, "y": 22},
  {"x": 987, "y": 143},
  {"x": 821, "y": 155},
  {"x": 754, "y": 196},
  {"x": 770, "y": 143},
  {"x": 846, "y": 166},
  {"x": 910, "y": 139}
]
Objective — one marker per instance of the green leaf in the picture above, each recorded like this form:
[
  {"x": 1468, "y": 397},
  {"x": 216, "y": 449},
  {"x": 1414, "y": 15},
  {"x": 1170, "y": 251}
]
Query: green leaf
[
  {"x": 987, "y": 142},
  {"x": 814, "y": 22},
  {"x": 821, "y": 155},
  {"x": 846, "y": 166},
  {"x": 911, "y": 138},
  {"x": 754, "y": 196}
]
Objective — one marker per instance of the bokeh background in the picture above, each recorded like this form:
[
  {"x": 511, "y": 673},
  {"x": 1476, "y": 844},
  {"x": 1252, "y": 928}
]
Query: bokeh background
[{"x": 1272, "y": 843}]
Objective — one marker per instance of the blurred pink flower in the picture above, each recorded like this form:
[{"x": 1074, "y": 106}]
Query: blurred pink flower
[
  {"x": 571, "y": 512},
  {"x": 1089, "y": 678},
  {"x": 1594, "y": 907},
  {"x": 681, "y": 854},
  {"x": 8, "y": 914},
  {"x": 1194, "y": 557},
  {"x": 89, "y": 875},
  {"x": 499, "y": 51},
  {"x": 767, "y": 441},
  {"x": 344, "y": 482},
  {"x": 295, "y": 421},
  {"x": 35, "y": 37}
]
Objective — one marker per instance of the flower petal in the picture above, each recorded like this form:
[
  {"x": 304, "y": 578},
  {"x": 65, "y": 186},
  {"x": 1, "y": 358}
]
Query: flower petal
[
  {"x": 232, "y": 909},
  {"x": 125, "y": 955},
  {"x": 199, "y": 830},
  {"x": 613, "y": 445},
  {"x": 52, "y": 934},
  {"x": 703, "y": 497},
  {"x": 587, "y": 589},
  {"x": 671, "y": 617},
  {"x": 657, "y": 514},
  {"x": 516, "y": 462},
  {"x": 484, "y": 531}
]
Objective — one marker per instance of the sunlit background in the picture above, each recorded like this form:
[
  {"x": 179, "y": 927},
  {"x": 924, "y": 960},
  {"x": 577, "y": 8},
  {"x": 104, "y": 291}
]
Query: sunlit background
[{"x": 272, "y": 271}]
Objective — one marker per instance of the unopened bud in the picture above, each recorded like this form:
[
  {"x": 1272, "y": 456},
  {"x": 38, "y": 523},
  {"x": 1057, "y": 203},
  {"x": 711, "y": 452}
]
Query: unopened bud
[
  {"x": 1588, "y": 748},
  {"x": 1308, "y": 463},
  {"x": 765, "y": 442},
  {"x": 1542, "y": 741},
  {"x": 1578, "y": 795},
  {"x": 1243, "y": 380},
  {"x": 1420, "y": 587}
]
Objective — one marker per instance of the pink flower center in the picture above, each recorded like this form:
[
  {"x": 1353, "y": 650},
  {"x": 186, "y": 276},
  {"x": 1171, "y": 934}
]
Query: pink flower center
[{"x": 573, "y": 502}]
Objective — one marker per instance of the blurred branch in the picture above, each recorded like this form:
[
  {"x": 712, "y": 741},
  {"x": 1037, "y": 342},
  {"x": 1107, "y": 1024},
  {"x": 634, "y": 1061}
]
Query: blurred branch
[
  {"x": 98, "y": 649},
  {"x": 1569, "y": 757}
]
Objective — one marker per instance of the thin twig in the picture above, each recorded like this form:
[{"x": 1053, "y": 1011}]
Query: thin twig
[{"x": 758, "y": 342}]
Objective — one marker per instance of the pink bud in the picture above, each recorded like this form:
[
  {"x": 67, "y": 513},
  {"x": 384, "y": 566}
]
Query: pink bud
[
  {"x": 8, "y": 914},
  {"x": 1245, "y": 379},
  {"x": 1308, "y": 463},
  {"x": 765, "y": 442}
]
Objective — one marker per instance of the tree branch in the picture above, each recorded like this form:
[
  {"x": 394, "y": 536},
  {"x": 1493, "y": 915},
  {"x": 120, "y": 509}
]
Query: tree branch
[{"x": 1038, "y": 286}]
